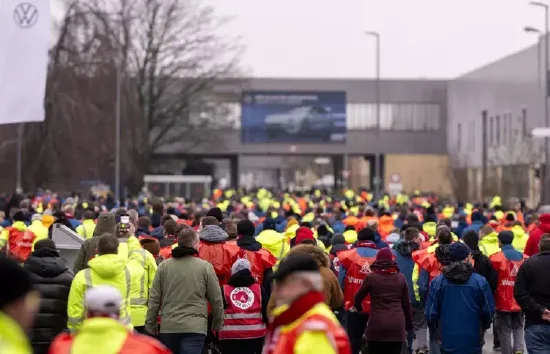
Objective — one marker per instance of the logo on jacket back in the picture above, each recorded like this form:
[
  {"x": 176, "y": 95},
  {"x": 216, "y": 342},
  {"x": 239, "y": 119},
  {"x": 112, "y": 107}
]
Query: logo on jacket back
[
  {"x": 514, "y": 271},
  {"x": 243, "y": 298},
  {"x": 365, "y": 269}
]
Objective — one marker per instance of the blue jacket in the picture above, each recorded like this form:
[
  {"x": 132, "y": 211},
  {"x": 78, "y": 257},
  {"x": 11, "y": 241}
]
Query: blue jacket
[
  {"x": 406, "y": 266},
  {"x": 378, "y": 241},
  {"x": 475, "y": 226},
  {"x": 338, "y": 227},
  {"x": 461, "y": 226},
  {"x": 363, "y": 252},
  {"x": 461, "y": 311}
]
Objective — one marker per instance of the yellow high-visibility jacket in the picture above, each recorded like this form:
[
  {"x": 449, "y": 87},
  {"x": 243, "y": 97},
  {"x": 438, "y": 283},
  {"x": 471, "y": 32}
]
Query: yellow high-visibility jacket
[
  {"x": 86, "y": 229},
  {"x": 275, "y": 243},
  {"x": 13, "y": 339},
  {"x": 142, "y": 267},
  {"x": 109, "y": 269},
  {"x": 39, "y": 230}
]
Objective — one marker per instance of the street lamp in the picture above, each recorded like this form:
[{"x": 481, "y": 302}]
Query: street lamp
[
  {"x": 377, "y": 162},
  {"x": 545, "y": 190}
]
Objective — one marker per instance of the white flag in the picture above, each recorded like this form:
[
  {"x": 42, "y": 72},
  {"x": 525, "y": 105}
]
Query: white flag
[{"x": 24, "y": 43}]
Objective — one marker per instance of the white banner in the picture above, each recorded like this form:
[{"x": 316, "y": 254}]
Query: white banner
[{"x": 24, "y": 43}]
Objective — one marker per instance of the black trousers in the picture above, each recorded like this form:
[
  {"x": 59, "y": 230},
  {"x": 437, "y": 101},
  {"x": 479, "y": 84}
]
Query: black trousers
[
  {"x": 242, "y": 346},
  {"x": 384, "y": 347},
  {"x": 356, "y": 325}
]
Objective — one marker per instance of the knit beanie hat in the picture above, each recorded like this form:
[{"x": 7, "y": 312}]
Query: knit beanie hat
[
  {"x": 19, "y": 280},
  {"x": 338, "y": 239},
  {"x": 384, "y": 255},
  {"x": 106, "y": 224},
  {"x": 365, "y": 234},
  {"x": 246, "y": 228},
  {"x": 506, "y": 237},
  {"x": 240, "y": 264},
  {"x": 458, "y": 252}
]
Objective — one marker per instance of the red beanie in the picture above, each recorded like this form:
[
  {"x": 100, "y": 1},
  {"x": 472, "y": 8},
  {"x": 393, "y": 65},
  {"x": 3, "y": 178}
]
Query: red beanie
[
  {"x": 384, "y": 255},
  {"x": 304, "y": 233}
]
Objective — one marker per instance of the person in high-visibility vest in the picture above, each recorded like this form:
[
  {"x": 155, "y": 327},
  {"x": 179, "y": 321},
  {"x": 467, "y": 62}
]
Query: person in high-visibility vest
[
  {"x": 86, "y": 229},
  {"x": 245, "y": 319},
  {"x": 18, "y": 307},
  {"x": 103, "y": 331}
]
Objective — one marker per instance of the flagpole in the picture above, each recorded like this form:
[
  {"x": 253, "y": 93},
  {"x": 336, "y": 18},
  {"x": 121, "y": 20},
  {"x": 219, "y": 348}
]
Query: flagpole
[{"x": 19, "y": 163}]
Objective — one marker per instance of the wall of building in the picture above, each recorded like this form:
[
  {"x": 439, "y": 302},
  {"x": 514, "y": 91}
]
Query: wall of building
[
  {"x": 423, "y": 172},
  {"x": 511, "y": 91}
]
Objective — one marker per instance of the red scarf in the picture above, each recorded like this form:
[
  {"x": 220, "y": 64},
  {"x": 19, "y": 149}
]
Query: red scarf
[
  {"x": 298, "y": 308},
  {"x": 368, "y": 244}
]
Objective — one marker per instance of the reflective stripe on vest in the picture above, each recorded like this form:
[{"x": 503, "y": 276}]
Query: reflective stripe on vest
[
  {"x": 141, "y": 300},
  {"x": 234, "y": 316},
  {"x": 244, "y": 327}
]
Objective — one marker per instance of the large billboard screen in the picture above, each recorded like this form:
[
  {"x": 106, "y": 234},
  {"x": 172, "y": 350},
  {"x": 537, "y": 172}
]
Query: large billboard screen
[{"x": 293, "y": 117}]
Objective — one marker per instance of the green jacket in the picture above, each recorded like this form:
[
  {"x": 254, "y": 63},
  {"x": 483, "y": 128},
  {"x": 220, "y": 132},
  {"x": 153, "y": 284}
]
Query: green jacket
[
  {"x": 181, "y": 291},
  {"x": 88, "y": 250}
]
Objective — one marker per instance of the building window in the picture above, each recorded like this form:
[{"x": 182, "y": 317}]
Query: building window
[
  {"x": 394, "y": 116},
  {"x": 497, "y": 131},
  {"x": 459, "y": 137},
  {"x": 491, "y": 131},
  {"x": 524, "y": 121},
  {"x": 505, "y": 129}
]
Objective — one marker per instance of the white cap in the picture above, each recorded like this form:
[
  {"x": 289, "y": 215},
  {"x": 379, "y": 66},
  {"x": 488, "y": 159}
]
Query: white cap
[
  {"x": 104, "y": 298},
  {"x": 240, "y": 264}
]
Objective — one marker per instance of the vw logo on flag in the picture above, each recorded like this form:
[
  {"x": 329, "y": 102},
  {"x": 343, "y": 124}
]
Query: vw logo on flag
[{"x": 25, "y": 15}]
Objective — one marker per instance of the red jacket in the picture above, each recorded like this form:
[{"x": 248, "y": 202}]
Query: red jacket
[
  {"x": 134, "y": 344},
  {"x": 19, "y": 243},
  {"x": 357, "y": 268},
  {"x": 221, "y": 256},
  {"x": 507, "y": 273},
  {"x": 532, "y": 246},
  {"x": 259, "y": 261}
]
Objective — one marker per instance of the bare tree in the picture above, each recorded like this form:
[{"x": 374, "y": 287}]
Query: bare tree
[{"x": 170, "y": 58}]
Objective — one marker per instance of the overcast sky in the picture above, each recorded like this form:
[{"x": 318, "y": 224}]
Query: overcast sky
[{"x": 420, "y": 38}]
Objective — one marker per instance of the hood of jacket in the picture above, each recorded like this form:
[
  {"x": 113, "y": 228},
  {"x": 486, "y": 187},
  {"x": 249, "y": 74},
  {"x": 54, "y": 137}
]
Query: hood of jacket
[
  {"x": 108, "y": 265},
  {"x": 488, "y": 239},
  {"x": 290, "y": 231},
  {"x": 213, "y": 234},
  {"x": 544, "y": 224},
  {"x": 429, "y": 228},
  {"x": 519, "y": 231},
  {"x": 350, "y": 236},
  {"x": 270, "y": 238},
  {"x": 314, "y": 251},
  {"x": 249, "y": 243},
  {"x": 458, "y": 272},
  {"x": 19, "y": 225},
  {"x": 158, "y": 232},
  {"x": 406, "y": 248},
  {"x": 46, "y": 263}
]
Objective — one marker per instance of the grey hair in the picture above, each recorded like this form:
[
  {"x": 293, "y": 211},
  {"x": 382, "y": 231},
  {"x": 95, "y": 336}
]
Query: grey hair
[{"x": 544, "y": 243}]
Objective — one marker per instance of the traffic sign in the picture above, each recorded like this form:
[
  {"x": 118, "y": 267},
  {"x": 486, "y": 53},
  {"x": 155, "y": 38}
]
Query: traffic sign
[{"x": 395, "y": 178}]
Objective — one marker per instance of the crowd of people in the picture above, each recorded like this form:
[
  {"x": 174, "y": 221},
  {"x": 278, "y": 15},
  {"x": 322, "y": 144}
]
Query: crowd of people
[{"x": 268, "y": 272}]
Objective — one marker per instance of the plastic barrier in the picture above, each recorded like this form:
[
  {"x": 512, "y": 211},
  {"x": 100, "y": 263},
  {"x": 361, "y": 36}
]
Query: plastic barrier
[{"x": 68, "y": 242}]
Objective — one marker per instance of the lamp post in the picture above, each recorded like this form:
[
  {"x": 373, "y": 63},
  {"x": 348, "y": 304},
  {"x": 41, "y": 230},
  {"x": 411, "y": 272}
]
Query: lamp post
[
  {"x": 377, "y": 162},
  {"x": 545, "y": 190}
]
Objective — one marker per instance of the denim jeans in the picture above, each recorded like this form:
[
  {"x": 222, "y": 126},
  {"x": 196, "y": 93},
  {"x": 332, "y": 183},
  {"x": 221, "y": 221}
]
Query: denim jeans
[
  {"x": 183, "y": 343},
  {"x": 537, "y": 339}
]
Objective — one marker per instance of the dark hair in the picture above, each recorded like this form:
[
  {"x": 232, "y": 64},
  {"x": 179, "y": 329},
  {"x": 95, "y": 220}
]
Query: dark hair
[
  {"x": 349, "y": 227},
  {"x": 216, "y": 213},
  {"x": 144, "y": 222},
  {"x": 445, "y": 222},
  {"x": 45, "y": 243},
  {"x": 88, "y": 215},
  {"x": 187, "y": 237},
  {"x": 120, "y": 212},
  {"x": 179, "y": 228},
  {"x": 107, "y": 244},
  {"x": 411, "y": 218},
  {"x": 170, "y": 228},
  {"x": 444, "y": 235},
  {"x": 209, "y": 220},
  {"x": 544, "y": 243},
  {"x": 158, "y": 208},
  {"x": 165, "y": 218},
  {"x": 411, "y": 233}
]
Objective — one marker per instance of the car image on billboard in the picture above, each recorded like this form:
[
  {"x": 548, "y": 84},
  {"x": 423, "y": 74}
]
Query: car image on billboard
[{"x": 293, "y": 117}]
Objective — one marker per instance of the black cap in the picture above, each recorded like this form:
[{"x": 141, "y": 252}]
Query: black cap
[
  {"x": 246, "y": 228},
  {"x": 299, "y": 262},
  {"x": 19, "y": 281}
]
